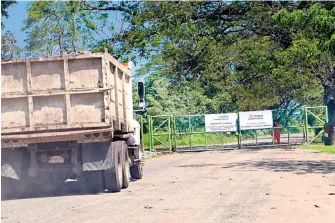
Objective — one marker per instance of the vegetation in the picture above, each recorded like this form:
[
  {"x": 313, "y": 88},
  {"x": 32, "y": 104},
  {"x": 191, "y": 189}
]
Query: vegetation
[
  {"x": 327, "y": 149},
  {"x": 56, "y": 28},
  {"x": 203, "y": 56},
  {"x": 188, "y": 140},
  {"x": 9, "y": 48},
  {"x": 240, "y": 55}
]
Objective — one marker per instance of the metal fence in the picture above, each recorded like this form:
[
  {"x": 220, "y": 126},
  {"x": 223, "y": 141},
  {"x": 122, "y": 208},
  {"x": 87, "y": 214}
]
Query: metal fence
[
  {"x": 315, "y": 119},
  {"x": 292, "y": 130},
  {"x": 188, "y": 133}
]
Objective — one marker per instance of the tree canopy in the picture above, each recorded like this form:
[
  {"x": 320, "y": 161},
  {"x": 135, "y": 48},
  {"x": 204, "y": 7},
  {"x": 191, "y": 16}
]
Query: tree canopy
[
  {"x": 9, "y": 48},
  {"x": 213, "y": 56},
  {"x": 246, "y": 55}
]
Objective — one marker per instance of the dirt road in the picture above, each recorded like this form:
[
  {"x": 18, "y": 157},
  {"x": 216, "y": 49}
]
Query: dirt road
[{"x": 272, "y": 185}]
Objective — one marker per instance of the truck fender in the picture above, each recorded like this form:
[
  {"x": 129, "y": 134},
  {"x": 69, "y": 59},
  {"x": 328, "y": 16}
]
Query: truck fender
[{"x": 134, "y": 138}]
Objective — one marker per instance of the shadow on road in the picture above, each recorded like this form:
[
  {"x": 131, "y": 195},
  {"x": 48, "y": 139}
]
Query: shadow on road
[
  {"x": 296, "y": 167},
  {"x": 275, "y": 164},
  {"x": 71, "y": 188}
]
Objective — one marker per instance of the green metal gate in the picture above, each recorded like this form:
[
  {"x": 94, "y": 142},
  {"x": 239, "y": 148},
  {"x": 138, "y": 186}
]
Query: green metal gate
[
  {"x": 315, "y": 119},
  {"x": 190, "y": 134},
  {"x": 160, "y": 132},
  {"x": 187, "y": 132},
  {"x": 292, "y": 130}
]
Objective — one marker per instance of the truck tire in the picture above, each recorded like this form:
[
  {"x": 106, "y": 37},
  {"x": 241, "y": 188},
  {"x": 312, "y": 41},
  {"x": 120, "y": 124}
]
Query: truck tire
[
  {"x": 91, "y": 182},
  {"x": 114, "y": 175},
  {"x": 136, "y": 171},
  {"x": 125, "y": 167}
]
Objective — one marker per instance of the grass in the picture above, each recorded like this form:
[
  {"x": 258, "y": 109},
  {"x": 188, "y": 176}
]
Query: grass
[
  {"x": 323, "y": 148},
  {"x": 200, "y": 139},
  {"x": 193, "y": 139}
]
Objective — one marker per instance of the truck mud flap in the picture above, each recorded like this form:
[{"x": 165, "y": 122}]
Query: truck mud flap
[{"x": 96, "y": 156}]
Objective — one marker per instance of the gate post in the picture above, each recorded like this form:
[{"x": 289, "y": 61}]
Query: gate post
[
  {"x": 150, "y": 133},
  {"x": 239, "y": 135},
  {"x": 327, "y": 118},
  {"x": 306, "y": 124},
  {"x": 170, "y": 134},
  {"x": 174, "y": 142},
  {"x": 142, "y": 135},
  {"x": 189, "y": 131}
]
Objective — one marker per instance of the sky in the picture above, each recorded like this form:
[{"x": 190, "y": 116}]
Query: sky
[{"x": 17, "y": 14}]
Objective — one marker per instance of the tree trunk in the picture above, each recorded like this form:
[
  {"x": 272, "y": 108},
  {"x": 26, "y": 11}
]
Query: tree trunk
[
  {"x": 329, "y": 96},
  {"x": 331, "y": 113}
]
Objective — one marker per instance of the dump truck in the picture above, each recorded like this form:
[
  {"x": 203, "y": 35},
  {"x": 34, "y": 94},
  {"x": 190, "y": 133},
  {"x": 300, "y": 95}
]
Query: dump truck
[{"x": 68, "y": 117}]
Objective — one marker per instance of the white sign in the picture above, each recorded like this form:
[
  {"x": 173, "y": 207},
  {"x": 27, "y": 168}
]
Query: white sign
[
  {"x": 221, "y": 122},
  {"x": 256, "y": 120}
]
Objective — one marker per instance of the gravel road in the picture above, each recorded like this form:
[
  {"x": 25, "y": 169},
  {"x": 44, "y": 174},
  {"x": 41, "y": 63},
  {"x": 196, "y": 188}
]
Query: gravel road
[{"x": 268, "y": 185}]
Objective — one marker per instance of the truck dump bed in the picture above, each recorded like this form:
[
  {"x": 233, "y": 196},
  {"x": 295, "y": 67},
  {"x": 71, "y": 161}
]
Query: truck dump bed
[{"x": 63, "y": 94}]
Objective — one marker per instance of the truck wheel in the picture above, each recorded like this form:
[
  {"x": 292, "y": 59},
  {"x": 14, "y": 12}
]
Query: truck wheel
[
  {"x": 136, "y": 171},
  {"x": 91, "y": 181},
  {"x": 125, "y": 167},
  {"x": 114, "y": 176}
]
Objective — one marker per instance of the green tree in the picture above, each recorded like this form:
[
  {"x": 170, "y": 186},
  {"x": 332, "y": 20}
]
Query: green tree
[
  {"x": 57, "y": 28},
  {"x": 313, "y": 33},
  {"x": 164, "y": 98},
  {"x": 225, "y": 56},
  {"x": 9, "y": 48},
  {"x": 234, "y": 50},
  {"x": 63, "y": 27},
  {"x": 240, "y": 52}
]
